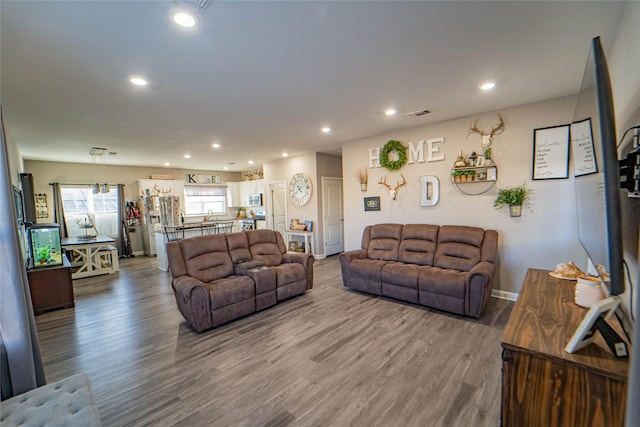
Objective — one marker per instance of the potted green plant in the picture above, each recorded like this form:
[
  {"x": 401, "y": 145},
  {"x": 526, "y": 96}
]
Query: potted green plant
[
  {"x": 514, "y": 197},
  {"x": 43, "y": 254},
  {"x": 458, "y": 176}
]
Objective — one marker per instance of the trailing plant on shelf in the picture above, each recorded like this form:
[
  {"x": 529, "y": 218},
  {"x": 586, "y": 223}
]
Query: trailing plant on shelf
[{"x": 514, "y": 197}]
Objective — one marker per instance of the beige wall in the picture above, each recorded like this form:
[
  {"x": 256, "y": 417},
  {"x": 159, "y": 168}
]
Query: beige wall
[
  {"x": 624, "y": 64},
  {"x": 88, "y": 173},
  {"x": 545, "y": 235}
]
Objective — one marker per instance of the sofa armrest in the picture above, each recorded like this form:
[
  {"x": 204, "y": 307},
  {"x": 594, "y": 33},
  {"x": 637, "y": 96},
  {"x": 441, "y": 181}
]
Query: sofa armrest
[
  {"x": 306, "y": 260},
  {"x": 241, "y": 268},
  {"x": 479, "y": 285},
  {"x": 192, "y": 297},
  {"x": 345, "y": 263}
]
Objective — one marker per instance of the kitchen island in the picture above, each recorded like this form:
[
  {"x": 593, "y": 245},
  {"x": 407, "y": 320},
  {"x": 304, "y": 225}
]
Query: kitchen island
[{"x": 189, "y": 229}]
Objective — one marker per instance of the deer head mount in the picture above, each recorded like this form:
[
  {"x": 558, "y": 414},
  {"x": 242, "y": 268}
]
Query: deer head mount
[
  {"x": 487, "y": 138},
  {"x": 159, "y": 190},
  {"x": 393, "y": 192}
]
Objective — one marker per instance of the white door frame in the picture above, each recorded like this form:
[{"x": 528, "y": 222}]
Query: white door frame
[
  {"x": 269, "y": 206},
  {"x": 324, "y": 211}
]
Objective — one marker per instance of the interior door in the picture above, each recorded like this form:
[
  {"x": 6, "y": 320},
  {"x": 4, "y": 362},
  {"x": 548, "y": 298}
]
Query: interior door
[
  {"x": 333, "y": 216},
  {"x": 278, "y": 206}
]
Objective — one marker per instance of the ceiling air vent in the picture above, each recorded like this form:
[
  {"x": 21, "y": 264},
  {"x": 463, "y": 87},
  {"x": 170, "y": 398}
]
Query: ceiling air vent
[
  {"x": 97, "y": 151},
  {"x": 418, "y": 113},
  {"x": 199, "y": 5}
]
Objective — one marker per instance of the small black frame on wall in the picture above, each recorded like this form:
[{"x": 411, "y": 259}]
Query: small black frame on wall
[{"x": 372, "y": 203}]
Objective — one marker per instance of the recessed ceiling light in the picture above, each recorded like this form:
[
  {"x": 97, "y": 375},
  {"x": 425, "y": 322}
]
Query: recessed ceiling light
[
  {"x": 226, "y": 168},
  {"x": 250, "y": 162},
  {"x": 390, "y": 112},
  {"x": 184, "y": 18},
  {"x": 167, "y": 164},
  {"x": 326, "y": 129},
  {"x": 488, "y": 86},
  {"x": 285, "y": 154},
  {"x": 187, "y": 156},
  {"x": 138, "y": 81},
  {"x": 215, "y": 145}
]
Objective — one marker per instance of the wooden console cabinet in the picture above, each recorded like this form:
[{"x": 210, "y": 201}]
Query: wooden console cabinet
[
  {"x": 542, "y": 385},
  {"x": 51, "y": 287}
]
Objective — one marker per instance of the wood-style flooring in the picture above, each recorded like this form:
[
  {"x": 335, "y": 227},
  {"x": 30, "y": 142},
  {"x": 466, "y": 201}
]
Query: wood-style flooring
[{"x": 331, "y": 357}]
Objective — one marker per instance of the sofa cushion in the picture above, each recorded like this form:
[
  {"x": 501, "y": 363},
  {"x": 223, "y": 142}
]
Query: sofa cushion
[
  {"x": 289, "y": 273},
  {"x": 442, "y": 281},
  {"x": 399, "y": 273},
  {"x": 418, "y": 244},
  {"x": 207, "y": 257},
  {"x": 231, "y": 290},
  {"x": 238, "y": 247},
  {"x": 264, "y": 246},
  {"x": 384, "y": 241},
  {"x": 367, "y": 269},
  {"x": 458, "y": 247}
]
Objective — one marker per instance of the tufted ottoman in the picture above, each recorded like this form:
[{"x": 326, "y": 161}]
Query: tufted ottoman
[{"x": 68, "y": 402}]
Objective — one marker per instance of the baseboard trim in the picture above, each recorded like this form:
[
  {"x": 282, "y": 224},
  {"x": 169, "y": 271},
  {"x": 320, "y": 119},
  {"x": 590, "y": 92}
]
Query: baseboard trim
[
  {"x": 319, "y": 256},
  {"x": 498, "y": 293}
]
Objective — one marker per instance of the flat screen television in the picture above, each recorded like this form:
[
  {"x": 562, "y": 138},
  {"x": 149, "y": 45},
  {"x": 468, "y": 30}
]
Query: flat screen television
[{"x": 597, "y": 175}]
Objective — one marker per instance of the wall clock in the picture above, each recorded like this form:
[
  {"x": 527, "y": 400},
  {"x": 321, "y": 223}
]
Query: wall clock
[{"x": 300, "y": 189}]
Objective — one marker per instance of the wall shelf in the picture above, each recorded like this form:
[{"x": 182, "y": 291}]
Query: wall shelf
[{"x": 484, "y": 179}]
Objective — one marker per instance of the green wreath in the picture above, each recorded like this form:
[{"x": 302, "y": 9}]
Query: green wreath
[{"x": 401, "y": 151}]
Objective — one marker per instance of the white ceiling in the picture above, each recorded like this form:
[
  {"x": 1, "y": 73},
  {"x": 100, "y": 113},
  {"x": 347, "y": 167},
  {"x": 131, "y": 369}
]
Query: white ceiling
[{"x": 263, "y": 77}]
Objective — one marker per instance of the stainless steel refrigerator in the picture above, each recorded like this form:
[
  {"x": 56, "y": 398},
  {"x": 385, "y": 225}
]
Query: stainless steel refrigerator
[{"x": 151, "y": 223}]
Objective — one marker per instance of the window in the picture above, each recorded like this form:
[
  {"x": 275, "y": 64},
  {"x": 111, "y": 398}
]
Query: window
[
  {"x": 202, "y": 200},
  {"x": 101, "y": 207}
]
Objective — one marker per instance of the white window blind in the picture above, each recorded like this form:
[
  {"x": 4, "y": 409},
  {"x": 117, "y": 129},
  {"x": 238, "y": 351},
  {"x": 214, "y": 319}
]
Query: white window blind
[
  {"x": 205, "y": 199},
  {"x": 102, "y": 207}
]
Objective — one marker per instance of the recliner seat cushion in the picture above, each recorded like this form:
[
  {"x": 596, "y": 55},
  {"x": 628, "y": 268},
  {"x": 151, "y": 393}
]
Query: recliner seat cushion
[
  {"x": 264, "y": 247},
  {"x": 231, "y": 290},
  {"x": 445, "y": 282},
  {"x": 384, "y": 240},
  {"x": 401, "y": 274},
  {"x": 458, "y": 247},
  {"x": 367, "y": 269},
  {"x": 418, "y": 245},
  {"x": 207, "y": 258},
  {"x": 288, "y": 273}
]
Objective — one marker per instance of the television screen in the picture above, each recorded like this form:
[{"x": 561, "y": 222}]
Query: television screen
[{"x": 597, "y": 177}]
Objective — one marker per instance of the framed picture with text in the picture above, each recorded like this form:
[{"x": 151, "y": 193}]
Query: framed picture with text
[
  {"x": 582, "y": 150},
  {"x": 551, "y": 152},
  {"x": 372, "y": 203}
]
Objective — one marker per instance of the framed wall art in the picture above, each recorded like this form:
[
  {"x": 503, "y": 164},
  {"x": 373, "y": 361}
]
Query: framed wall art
[
  {"x": 372, "y": 203},
  {"x": 551, "y": 152},
  {"x": 582, "y": 150}
]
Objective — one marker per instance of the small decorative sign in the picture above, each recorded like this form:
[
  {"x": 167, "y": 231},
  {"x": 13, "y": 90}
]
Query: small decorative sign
[
  {"x": 193, "y": 178},
  {"x": 584, "y": 159},
  {"x": 372, "y": 203},
  {"x": 551, "y": 152},
  {"x": 42, "y": 210},
  {"x": 164, "y": 177}
]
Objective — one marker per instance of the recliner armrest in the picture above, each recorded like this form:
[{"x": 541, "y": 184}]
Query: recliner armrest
[
  {"x": 306, "y": 260},
  {"x": 192, "y": 298},
  {"x": 241, "y": 268},
  {"x": 479, "y": 283},
  {"x": 351, "y": 255}
]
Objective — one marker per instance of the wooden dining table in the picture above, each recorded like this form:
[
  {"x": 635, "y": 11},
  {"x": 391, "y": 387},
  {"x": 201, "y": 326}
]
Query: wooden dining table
[{"x": 92, "y": 256}]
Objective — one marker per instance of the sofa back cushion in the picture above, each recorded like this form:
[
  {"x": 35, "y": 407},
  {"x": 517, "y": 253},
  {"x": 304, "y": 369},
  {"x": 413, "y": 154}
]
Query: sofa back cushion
[
  {"x": 459, "y": 247},
  {"x": 266, "y": 246},
  {"x": 383, "y": 241},
  {"x": 207, "y": 258},
  {"x": 418, "y": 245},
  {"x": 238, "y": 247}
]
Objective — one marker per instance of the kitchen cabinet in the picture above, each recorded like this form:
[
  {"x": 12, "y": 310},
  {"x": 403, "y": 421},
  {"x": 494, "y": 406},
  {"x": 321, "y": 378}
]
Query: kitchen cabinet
[
  {"x": 238, "y": 192},
  {"x": 233, "y": 195}
]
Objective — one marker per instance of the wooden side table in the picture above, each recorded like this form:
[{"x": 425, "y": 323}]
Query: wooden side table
[
  {"x": 542, "y": 385},
  {"x": 307, "y": 235},
  {"x": 51, "y": 287}
]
